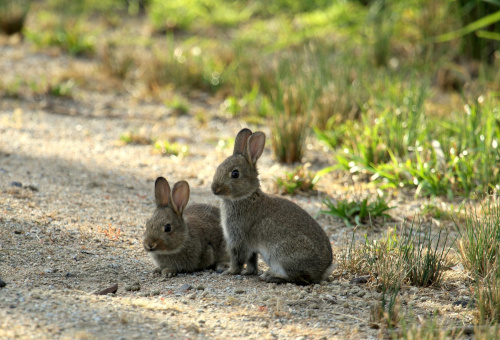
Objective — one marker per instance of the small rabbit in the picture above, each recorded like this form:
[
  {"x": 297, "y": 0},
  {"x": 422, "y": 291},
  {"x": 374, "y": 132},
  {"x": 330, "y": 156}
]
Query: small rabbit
[
  {"x": 290, "y": 241},
  {"x": 181, "y": 239}
]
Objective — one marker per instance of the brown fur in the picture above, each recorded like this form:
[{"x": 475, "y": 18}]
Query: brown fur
[{"x": 194, "y": 240}]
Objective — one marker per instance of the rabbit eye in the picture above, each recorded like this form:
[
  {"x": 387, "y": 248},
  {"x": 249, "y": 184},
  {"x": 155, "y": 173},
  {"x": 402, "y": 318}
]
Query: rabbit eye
[
  {"x": 168, "y": 228},
  {"x": 235, "y": 174}
]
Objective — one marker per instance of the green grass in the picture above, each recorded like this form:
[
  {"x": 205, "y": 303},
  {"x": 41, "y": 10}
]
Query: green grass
[
  {"x": 480, "y": 237},
  {"x": 487, "y": 293},
  {"x": 357, "y": 212},
  {"x": 166, "y": 148},
  {"x": 300, "y": 180},
  {"x": 178, "y": 105}
]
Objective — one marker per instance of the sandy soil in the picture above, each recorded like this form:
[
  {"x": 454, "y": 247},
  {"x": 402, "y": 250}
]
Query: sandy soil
[{"x": 73, "y": 205}]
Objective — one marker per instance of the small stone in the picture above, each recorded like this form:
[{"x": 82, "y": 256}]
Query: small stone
[
  {"x": 106, "y": 291},
  {"x": 345, "y": 305},
  {"x": 191, "y": 296},
  {"x": 155, "y": 293},
  {"x": 464, "y": 303},
  {"x": 239, "y": 291},
  {"x": 16, "y": 184},
  {"x": 360, "y": 280},
  {"x": 193, "y": 329},
  {"x": 361, "y": 293},
  {"x": 32, "y": 187},
  {"x": 185, "y": 287},
  {"x": 134, "y": 287},
  {"x": 2, "y": 283},
  {"x": 68, "y": 274},
  {"x": 200, "y": 288}
]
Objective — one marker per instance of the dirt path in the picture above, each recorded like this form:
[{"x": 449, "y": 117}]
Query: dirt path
[{"x": 73, "y": 204}]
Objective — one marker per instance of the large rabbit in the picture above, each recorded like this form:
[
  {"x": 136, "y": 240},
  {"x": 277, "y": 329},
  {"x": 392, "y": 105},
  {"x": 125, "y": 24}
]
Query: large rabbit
[
  {"x": 181, "y": 239},
  {"x": 289, "y": 240}
]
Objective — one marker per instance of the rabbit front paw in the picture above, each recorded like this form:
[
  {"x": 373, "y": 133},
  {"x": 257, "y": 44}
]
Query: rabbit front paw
[
  {"x": 168, "y": 272},
  {"x": 271, "y": 278},
  {"x": 232, "y": 271},
  {"x": 250, "y": 271}
]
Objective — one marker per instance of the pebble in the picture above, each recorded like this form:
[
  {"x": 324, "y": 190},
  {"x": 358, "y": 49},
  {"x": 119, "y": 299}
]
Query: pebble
[
  {"x": 2, "y": 283},
  {"x": 191, "y": 296},
  {"x": 185, "y": 287},
  {"x": 134, "y": 287}
]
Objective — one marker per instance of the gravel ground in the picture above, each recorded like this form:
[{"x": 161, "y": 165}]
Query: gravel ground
[{"x": 73, "y": 205}]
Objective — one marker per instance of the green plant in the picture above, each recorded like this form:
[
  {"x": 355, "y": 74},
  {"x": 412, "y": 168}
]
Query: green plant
[
  {"x": 480, "y": 20},
  {"x": 479, "y": 237},
  {"x": 387, "y": 309},
  {"x": 70, "y": 35},
  {"x": 300, "y": 180},
  {"x": 137, "y": 138},
  {"x": 164, "y": 147},
  {"x": 355, "y": 211},
  {"x": 179, "y": 105},
  {"x": 62, "y": 89},
  {"x": 424, "y": 254},
  {"x": 487, "y": 291}
]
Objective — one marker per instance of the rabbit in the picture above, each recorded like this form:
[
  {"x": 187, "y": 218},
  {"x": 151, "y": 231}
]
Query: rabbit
[
  {"x": 183, "y": 239},
  {"x": 290, "y": 241}
]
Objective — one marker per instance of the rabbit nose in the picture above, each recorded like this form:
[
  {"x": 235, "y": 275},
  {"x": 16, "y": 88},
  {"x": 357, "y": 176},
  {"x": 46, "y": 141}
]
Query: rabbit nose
[
  {"x": 149, "y": 246},
  {"x": 215, "y": 189}
]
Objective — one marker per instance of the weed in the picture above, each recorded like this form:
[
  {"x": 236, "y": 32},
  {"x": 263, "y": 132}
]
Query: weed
[
  {"x": 387, "y": 309},
  {"x": 424, "y": 254},
  {"x": 357, "y": 211},
  {"x": 479, "y": 237},
  {"x": 487, "y": 291},
  {"x": 71, "y": 36},
  {"x": 117, "y": 61},
  {"x": 300, "y": 180},
  {"x": 178, "y": 105},
  {"x": 62, "y": 89},
  {"x": 351, "y": 257},
  {"x": 164, "y": 147},
  {"x": 137, "y": 138}
]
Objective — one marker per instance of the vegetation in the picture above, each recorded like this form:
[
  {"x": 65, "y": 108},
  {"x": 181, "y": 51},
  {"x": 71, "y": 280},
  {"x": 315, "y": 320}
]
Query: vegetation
[
  {"x": 357, "y": 211},
  {"x": 404, "y": 95}
]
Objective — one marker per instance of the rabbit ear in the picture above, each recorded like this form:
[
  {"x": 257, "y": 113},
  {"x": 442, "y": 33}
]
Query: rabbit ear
[
  {"x": 162, "y": 192},
  {"x": 241, "y": 140},
  {"x": 180, "y": 196},
  {"x": 255, "y": 146}
]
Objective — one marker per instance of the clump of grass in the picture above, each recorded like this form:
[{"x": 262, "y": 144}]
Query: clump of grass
[
  {"x": 289, "y": 126},
  {"x": 357, "y": 212},
  {"x": 300, "y": 180},
  {"x": 165, "y": 148},
  {"x": 387, "y": 309},
  {"x": 487, "y": 291},
  {"x": 178, "y": 105},
  {"x": 62, "y": 89},
  {"x": 479, "y": 237},
  {"x": 383, "y": 259},
  {"x": 185, "y": 66},
  {"x": 424, "y": 254},
  {"x": 117, "y": 60},
  {"x": 136, "y": 138},
  {"x": 71, "y": 35}
]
